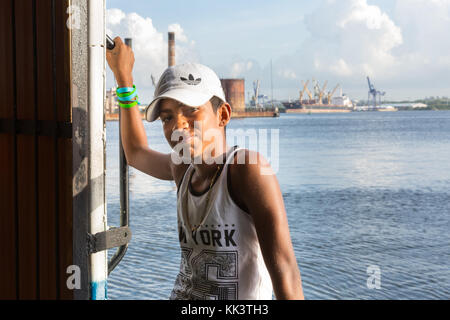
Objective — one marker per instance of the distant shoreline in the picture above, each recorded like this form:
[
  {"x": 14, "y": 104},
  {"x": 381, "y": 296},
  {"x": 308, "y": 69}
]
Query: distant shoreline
[
  {"x": 115, "y": 116},
  {"x": 234, "y": 115}
]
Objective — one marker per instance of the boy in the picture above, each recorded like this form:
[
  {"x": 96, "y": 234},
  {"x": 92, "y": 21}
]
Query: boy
[{"x": 233, "y": 229}]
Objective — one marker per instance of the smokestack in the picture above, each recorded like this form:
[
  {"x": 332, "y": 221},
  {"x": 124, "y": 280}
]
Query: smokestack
[{"x": 171, "y": 49}]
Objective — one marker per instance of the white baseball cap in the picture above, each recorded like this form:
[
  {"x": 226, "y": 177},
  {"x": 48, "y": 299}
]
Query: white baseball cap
[{"x": 192, "y": 84}]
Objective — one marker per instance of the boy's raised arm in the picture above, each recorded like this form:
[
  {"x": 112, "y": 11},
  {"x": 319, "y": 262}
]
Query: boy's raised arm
[{"x": 134, "y": 139}]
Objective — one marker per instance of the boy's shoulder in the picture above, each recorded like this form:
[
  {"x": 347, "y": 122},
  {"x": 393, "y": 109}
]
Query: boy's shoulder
[
  {"x": 248, "y": 167},
  {"x": 249, "y": 162},
  {"x": 250, "y": 175}
]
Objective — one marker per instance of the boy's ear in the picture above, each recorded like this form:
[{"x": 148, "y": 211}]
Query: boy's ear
[{"x": 224, "y": 114}]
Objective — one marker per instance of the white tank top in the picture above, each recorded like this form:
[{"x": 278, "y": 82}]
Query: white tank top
[{"x": 222, "y": 259}]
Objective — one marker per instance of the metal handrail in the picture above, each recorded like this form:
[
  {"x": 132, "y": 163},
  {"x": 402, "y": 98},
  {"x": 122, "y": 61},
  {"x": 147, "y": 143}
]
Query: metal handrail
[{"x": 124, "y": 183}]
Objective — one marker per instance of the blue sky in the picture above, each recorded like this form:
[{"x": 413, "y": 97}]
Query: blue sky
[
  {"x": 341, "y": 41},
  {"x": 224, "y": 28}
]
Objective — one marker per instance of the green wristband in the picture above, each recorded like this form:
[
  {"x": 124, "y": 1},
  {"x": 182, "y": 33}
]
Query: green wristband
[{"x": 128, "y": 105}]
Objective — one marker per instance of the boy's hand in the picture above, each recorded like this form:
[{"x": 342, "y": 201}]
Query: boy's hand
[{"x": 121, "y": 61}]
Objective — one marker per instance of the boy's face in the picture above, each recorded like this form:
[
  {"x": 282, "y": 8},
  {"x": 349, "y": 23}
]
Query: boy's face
[{"x": 200, "y": 127}]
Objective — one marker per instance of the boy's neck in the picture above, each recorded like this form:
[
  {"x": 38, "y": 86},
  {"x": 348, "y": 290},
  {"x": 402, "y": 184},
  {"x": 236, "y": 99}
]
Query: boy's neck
[{"x": 204, "y": 170}]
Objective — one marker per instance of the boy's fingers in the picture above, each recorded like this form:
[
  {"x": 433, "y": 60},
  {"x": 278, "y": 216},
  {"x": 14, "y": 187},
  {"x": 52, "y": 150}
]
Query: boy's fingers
[
  {"x": 110, "y": 53},
  {"x": 118, "y": 44}
]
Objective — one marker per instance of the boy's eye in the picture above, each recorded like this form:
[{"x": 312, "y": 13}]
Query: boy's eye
[{"x": 165, "y": 119}]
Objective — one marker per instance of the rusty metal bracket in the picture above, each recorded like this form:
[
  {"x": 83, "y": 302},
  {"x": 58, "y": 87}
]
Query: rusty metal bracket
[{"x": 112, "y": 238}]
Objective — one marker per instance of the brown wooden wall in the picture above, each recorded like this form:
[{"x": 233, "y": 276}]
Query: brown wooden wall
[{"x": 35, "y": 150}]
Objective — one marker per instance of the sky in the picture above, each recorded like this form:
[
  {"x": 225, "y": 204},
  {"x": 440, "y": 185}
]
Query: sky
[{"x": 402, "y": 45}]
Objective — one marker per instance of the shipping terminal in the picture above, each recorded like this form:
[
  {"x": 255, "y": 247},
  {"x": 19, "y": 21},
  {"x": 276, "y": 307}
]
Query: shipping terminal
[{"x": 320, "y": 101}]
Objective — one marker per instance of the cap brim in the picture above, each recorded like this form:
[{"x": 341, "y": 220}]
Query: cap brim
[{"x": 186, "y": 97}]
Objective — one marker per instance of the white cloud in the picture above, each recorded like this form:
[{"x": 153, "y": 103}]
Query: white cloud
[
  {"x": 348, "y": 40},
  {"x": 287, "y": 73},
  {"x": 114, "y": 16},
  {"x": 341, "y": 68},
  {"x": 426, "y": 50},
  {"x": 240, "y": 68},
  {"x": 149, "y": 46},
  {"x": 406, "y": 54},
  {"x": 351, "y": 37},
  {"x": 179, "y": 32}
]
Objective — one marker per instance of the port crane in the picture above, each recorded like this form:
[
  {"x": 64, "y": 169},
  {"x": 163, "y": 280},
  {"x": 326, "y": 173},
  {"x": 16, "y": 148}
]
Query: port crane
[
  {"x": 330, "y": 94},
  {"x": 153, "y": 80},
  {"x": 321, "y": 92},
  {"x": 305, "y": 88},
  {"x": 309, "y": 94},
  {"x": 320, "y": 96},
  {"x": 255, "y": 98},
  {"x": 372, "y": 95},
  {"x": 380, "y": 94},
  {"x": 316, "y": 88}
]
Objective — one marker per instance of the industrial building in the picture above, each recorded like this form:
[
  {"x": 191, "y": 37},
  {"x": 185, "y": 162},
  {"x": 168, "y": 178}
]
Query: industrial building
[{"x": 234, "y": 90}]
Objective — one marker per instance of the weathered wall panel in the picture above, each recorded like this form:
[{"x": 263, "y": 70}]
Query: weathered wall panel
[
  {"x": 26, "y": 151},
  {"x": 8, "y": 225},
  {"x": 36, "y": 150}
]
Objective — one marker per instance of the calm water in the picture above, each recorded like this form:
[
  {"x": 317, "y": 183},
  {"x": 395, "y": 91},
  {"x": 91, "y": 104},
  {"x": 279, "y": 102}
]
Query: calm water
[{"x": 360, "y": 189}]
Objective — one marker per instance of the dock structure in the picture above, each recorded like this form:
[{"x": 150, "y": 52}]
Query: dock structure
[{"x": 53, "y": 227}]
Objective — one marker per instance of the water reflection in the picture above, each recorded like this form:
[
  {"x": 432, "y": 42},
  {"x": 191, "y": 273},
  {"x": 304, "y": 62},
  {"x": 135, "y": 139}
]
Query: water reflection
[{"x": 360, "y": 189}]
